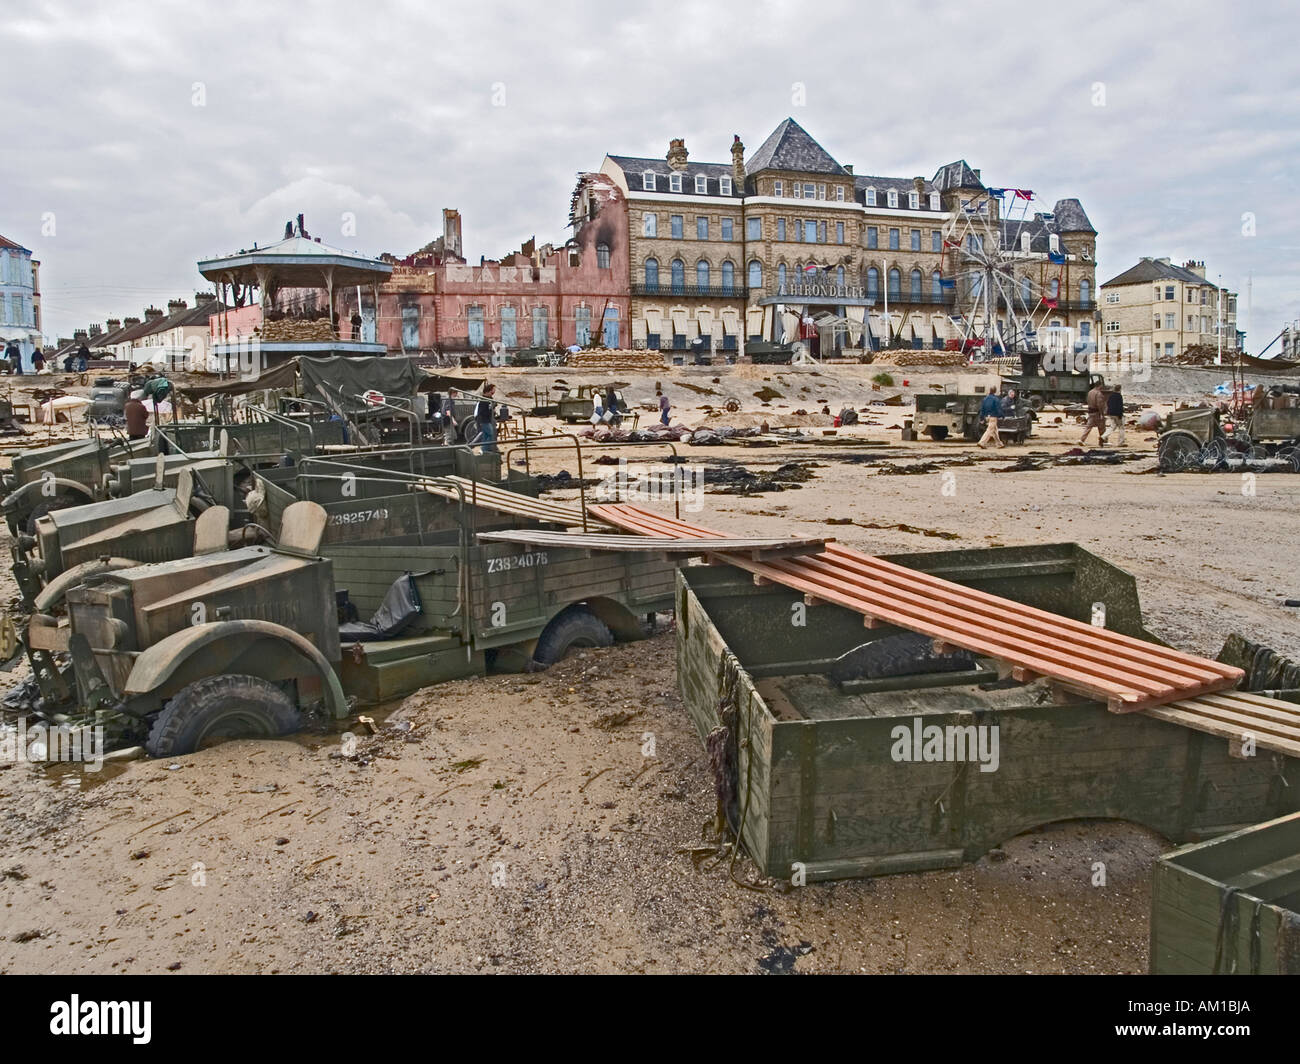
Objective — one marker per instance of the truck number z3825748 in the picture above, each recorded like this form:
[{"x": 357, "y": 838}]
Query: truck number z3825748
[
  {"x": 358, "y": 516},
  {"x": 516, "y": 561}
]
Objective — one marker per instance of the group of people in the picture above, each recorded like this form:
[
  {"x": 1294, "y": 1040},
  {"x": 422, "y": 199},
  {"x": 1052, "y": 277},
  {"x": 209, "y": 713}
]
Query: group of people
[
  {"x": 995, "y": 407},
  {"x": 1105, "y": 414}
]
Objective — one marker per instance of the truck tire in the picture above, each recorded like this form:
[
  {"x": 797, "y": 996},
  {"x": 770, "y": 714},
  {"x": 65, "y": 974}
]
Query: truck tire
[
  {"x": 1035, "y": 403},
  {"x": 45, "y": 506},
  {"x": 222, "y": 707},
  {"x": 470, "y": 430},
  {"x": 575, "y": 627},
  {"x": 937, "y": 432}
]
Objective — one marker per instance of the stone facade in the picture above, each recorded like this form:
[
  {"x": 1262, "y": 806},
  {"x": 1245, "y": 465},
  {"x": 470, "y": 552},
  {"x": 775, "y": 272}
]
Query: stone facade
[{"x": 1157, "y": 310}]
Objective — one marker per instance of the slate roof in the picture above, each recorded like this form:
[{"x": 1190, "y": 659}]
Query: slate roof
[
  {"x": 1154, "y": 270},
  {"x": 1071, "y": 218},
  {"x": 791, "y": 148},
  {"x": 956, "y": 175},
  {"x": 634, "y": 167},
  {"x": 1039, "y": 227},
  {"x": 882, "y": 185}
]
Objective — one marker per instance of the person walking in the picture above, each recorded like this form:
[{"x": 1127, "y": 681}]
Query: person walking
[
  {"x": 664, "y": 408},
  {"x": 137, "y": 419},
  {"x": 1115, "y": 415},
  {"x": 991, "y": 410},
  {"x": 38, "y": 360},
  {"x": 485, "y": 414},
  {"x": 1096, "y": 413}
]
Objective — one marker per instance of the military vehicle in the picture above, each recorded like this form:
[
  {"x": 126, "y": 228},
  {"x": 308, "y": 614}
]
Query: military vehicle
[
  {"x": 243, "y": 641},
  {"x": 580, "y": 403},
  {"x": 1268, "y": 439},
  {"x": 1067, "y": 380},
  {"x": 943, "y": 415},
  {"x": 108, "y": 400}
]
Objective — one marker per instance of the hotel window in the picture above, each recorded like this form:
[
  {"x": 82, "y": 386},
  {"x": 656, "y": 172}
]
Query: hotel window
[
  {"x": 936, "y": 240},
  {"x": 1169, "y": 321},
  {"x": 871, "y": 197},
  {"x": 916, "y": 240},
  {"x": 780, "y": 277},
  {"x": 724, "y": 185},
  {"x": 839, "y": 276},
  {"x": 648, "y": 181},
  {"x": 776, "y": 188},
  {"x": 754, "y": 228},
  {"x": 701, "y": 185},
  {"x": 797, "y": 189},
  {"x": 798, "y": 230},
  {"x": 675, "y": 226},
  {"x": 936, "y": 287},
  {"x": 893, "y": 198},
  {"x": 652, "y": 275},
  {"x": 701, "y": 228},
  {"x": 934, "y": 201},
  {"x": 728, "y": 278},
  {"x": 873, "y": 237},
  {"x": 602, "y": 256},
  {"x": 914, "y": 201},
  {"x": 702, "y": 274},
  {"x": 839, "y": 232},
  {"x": 650, "y": 225},
  {"x": 1157, "y": 295},
  {"x": 1026, "y": 290},
  {"x": 1054, "y": 289},
  {"x": 895, "y": 284},
  {"x": 780, "y": 229},
  {"x": 893, "y": 240},
  {"x": 810, "y": 232},
  {"x": 916, "y": 286},
  {"x": 1053, "y": 243},
  {"x": 839, "y": 193},
  {"x": 873, "y": 283},
  {"x": 809, "y": 192},
  {"x": 755, "y": 274},
  {"x": 726, "y": 229},
  {"x": 821, "y": 191},
  {"x": 1169, "y": 291},
  {"x": 677, "y": 274},
  {"x": 1085, "y": 292},
  {"x": 674, "y": 182},
  {"x": 582, "y": 325}
]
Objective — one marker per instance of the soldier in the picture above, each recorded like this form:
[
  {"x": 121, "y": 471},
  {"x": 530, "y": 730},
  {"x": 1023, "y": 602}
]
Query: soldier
[
  {"x": 1096, "y": 413},
  {"x": 991, "y": 408}
]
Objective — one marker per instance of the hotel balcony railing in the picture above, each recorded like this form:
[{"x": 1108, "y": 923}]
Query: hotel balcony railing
[
  {"x": 1022, "y": 304},
  {"x": 935, "y": 299},
  {"x": 702, "y": 291}
]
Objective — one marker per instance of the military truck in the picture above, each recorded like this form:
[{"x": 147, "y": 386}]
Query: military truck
[
  {"x": 1065, "y": 382},
  {"x": 580, "y": 403},
  {"x": 245, "y": 641},
  {"x": 1197, "y": 436},
  {"x": 940, "y": 416}
]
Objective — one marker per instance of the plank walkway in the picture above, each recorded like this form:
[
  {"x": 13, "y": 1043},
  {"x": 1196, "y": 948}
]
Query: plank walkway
[
  {"x": 759, "y": 549},
  {"x": 1127, "y": 674}
]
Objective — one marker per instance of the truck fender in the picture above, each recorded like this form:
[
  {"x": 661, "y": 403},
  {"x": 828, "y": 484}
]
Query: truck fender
[
  {"x": 52, "y": 593},
  {"x": 29, "y": 495},
  {"x": 217, "y": 647}
]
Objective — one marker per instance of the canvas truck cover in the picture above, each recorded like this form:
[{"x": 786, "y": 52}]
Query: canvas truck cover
[{"x": 342, "y": 381}]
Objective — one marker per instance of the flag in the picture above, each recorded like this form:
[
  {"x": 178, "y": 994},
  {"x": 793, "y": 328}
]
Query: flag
[
  {"x": 1050, "y": 303},
  {"x": 812, "y": 267},
  {"x": 1057, "y": 257},
  {"x": 999, "y": 192},
  {"x": 1024, "y": 193},
  {"x": 947, "y": 282},
  {"x": 952, "y": 244}
]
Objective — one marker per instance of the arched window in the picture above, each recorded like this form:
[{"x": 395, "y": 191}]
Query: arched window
[
  {"x": 728, "y": 277},
  {"x": 780, "y": 277},
  {"x": 976, "y": 284},
  {"x": 873, "y": 283},
  {"x": 652, "y": 275},
  {"x": 1026, "y": 290},
  {"x": 839, "y": 276},
  {"x": 936, "y": 286},
  {"x": 1085, "y": 292},
  {"x": 895, "y": 283},
  {"x": 755, "y": 274},
  {"x": 1054, "y": 289},
  {"x": 702, "y": 274},
  {"x": 916, "y": 286},
  {"x": 678, "y": 276},
  {"x": 602, "y": 256}
]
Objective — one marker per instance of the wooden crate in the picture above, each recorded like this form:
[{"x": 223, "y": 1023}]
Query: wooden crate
[
  {"x": 815, "y": 778},
  {"x": 1231, "y": 905}
]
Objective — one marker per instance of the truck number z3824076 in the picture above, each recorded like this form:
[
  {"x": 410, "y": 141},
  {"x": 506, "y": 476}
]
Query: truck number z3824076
[{"x": 516, "y": 561}]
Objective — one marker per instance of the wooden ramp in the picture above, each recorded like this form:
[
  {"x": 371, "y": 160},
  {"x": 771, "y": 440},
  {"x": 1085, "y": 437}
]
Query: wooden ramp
[
  {"x": 498, "y": 500},
  {"x": 1127, "y": 674},
  {"x": 759, "y": 549},
  {"x": 1271, "y": 723}
]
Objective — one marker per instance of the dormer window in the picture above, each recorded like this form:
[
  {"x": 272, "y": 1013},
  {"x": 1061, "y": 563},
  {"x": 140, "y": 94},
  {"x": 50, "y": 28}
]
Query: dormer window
[
  {"x": 871, "y": 197},
  {"x": 701, "y": 185},
  {"x": 1054, "y": 242},
  {"x": 934, "y": 201},
  {"x": 674, "y": 182},
  {"x": 839, "y": 193},
  {"x": 724, "y": 185},
  {"x": 821, "y": 191},
  {"x": 778, "y": 187},
  {"x": 893, "y": 199},
  {"x": 648, "y": 181},
  {"x": 914, "y": 201},
  {"x": 797, "y": 189},
  {"x": 1024, "y": 242}
]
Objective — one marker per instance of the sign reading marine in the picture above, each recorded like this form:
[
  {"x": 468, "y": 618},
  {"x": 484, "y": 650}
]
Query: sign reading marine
[{"x": 822, "y": 290}]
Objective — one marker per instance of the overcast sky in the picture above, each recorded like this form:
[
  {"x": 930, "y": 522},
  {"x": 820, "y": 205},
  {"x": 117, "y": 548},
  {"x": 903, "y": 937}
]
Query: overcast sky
[{"x": 149, "y": 136}]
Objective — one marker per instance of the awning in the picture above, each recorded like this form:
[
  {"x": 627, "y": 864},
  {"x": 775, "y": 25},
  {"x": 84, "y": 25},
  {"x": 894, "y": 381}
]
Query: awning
[
  {"x": 654, "y": 320},
  {"x": 731, "y": 322},
  {"x": 754, "y": 321},
  {"x": 679, "y": 320}
]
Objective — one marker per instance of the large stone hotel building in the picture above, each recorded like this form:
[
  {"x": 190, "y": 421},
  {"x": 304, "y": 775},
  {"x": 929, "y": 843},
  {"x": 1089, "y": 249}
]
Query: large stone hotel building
[{"x": 792, "y": 243}]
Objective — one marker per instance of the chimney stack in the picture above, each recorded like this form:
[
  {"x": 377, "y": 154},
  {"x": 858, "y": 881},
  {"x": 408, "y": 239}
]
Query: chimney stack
[
  {"x": 113, "y": 324},
  {"x": 129, "y": 322},
  {"x": 80, "y": 334},
  {"x": 152, "y": 314},
  {"x": 918, "y": 183},
  {"x": 200, "y": 298},
  {"x": 94, "y": 330},
  {"x": 677, "y": 154},
  {"x": 175, "y": 306},
  {"x": 738, "y": 163}
]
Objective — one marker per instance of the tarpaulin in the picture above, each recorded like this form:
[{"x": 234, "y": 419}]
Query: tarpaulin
[
  {"x": 343, "y": 381},
  {"x": 283, "y": 376}
]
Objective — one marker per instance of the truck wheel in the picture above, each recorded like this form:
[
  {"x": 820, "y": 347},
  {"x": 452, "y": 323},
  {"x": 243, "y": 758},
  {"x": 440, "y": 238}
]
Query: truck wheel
[
  {"x": 45, "y": 506},
  {"x": 222, "y": 707},
  {"x": 1035, "y": 403},
  {"x": 574, "y": 627},
  {"x": 937, "y": 432},
  {"x": 470, "y": 431}
]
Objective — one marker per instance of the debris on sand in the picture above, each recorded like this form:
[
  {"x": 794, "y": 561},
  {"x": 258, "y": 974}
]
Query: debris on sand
[
  {"x": 737, "y": 480},
  {"x": 915, "y": 529}
]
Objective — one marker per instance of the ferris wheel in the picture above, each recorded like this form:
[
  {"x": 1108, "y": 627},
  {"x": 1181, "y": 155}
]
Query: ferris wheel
[{"x": 999, "y": 308}]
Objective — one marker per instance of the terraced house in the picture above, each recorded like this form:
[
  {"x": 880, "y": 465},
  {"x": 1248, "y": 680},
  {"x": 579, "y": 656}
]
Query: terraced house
[{"x": 791, "y": 243}]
